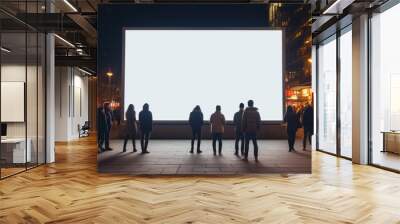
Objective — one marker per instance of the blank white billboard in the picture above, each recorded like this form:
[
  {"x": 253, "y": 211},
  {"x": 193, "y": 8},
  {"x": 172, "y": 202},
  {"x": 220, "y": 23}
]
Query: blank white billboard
[{"x": 175, "y": 70}]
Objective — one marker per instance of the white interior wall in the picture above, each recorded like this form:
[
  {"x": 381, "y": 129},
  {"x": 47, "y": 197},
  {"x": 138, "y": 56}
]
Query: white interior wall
[
  {"x": 80, "y": 110},
  {"x": 61, "y": 103},
  {"x": 34, "y": 106},
  {"x": 9, "y": 73},
  {"x": 16, "y": 72},
  {"x": 71, "y": 93}
]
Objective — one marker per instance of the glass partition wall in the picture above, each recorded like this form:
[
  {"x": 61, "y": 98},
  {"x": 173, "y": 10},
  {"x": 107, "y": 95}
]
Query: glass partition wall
[
  {"x": 334, "y": 94},
  {"x": 345, "y": 62},
  {"x": 385, "y": 89},
  {"x": 22, "y": 77},
  {"x": 13, "y": 123},
  {"x": 326, "y": 102},
  {"x": 334, "y": 119}
]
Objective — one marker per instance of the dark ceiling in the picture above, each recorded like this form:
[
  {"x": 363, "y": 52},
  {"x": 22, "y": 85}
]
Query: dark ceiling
[{"x": 75, "y": 21}]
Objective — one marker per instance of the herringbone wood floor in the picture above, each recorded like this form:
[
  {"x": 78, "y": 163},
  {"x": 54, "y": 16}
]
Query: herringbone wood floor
[{"x": 71, "y": 191}]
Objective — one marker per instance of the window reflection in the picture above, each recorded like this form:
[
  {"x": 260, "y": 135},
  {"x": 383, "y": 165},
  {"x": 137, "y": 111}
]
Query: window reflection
[
  {"x": 346, "y": 94},
  {"x": 385, "y": 84},
  {"x": 327, "y": 96}
]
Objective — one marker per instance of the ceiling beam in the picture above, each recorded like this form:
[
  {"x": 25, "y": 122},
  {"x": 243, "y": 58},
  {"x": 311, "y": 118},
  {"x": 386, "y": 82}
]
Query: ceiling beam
[
  {"x": 86, "y": 27},
  {"x": 81, "y": 61}
]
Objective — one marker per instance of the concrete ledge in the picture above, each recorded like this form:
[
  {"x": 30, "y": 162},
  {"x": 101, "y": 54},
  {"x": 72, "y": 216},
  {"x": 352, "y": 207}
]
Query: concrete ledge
[{"x": 183, "y": 131}]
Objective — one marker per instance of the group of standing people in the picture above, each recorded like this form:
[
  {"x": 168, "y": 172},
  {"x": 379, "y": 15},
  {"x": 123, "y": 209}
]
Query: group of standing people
[
  {"x": 145, "y": 126},
  {"x": 295, "y": 120},
  {"x": 247, "y": 122},
  {"x": 104, "y": 123}
]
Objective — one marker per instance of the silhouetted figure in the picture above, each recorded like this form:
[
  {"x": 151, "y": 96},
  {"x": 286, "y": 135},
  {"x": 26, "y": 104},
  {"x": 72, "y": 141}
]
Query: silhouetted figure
[
  {"x": 130, "y": 127},
  {"x": 239, "y": 136},
  {"x": 292, "y": 120},
  {"x": 117, "y": 115},
  {"x": 101, "y": 128},
  {"x": 196, "y": 122},
  {"x": 107, "y": 109},
  {"x": 299, "y": 111},
  {"x": 217, "y": 122},
  {"x": 104, "y": 123},
  {"x": 308, "y": 124},
  {"x": 146, "y": 126},
  {"x": 251, "y": 123}
]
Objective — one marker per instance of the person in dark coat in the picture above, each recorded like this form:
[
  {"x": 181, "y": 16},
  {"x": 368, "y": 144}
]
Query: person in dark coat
[
  {"x": 239, "y": 136},
  {"x": 101, "y": 128},
  {"x": 308, "y": 124},
  {"x": 196, "y": 122},
  {"x": 299, "y": 113},
  {"x": 292, "y": 120},
  {"x": 251, "y": 123},
  {"x": 108, "y": 117},
  {"x": 146, "y": 127},
  {"x": 130, "y": 127},
  {"x": 117, "y": 115},
  {"x": 104, "y": 123}
]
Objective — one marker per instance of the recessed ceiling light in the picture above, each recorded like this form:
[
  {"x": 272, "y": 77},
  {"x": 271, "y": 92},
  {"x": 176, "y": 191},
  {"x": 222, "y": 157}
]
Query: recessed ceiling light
[
  {"x": 337, "y": 7},
  {"x": 65, "y": 41},
  {"x": 5, "y": 50},
  {"x": 70, "y": 5},
  {"x": 326, "y": 11},
  {"x": 84, "y": 71}
]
